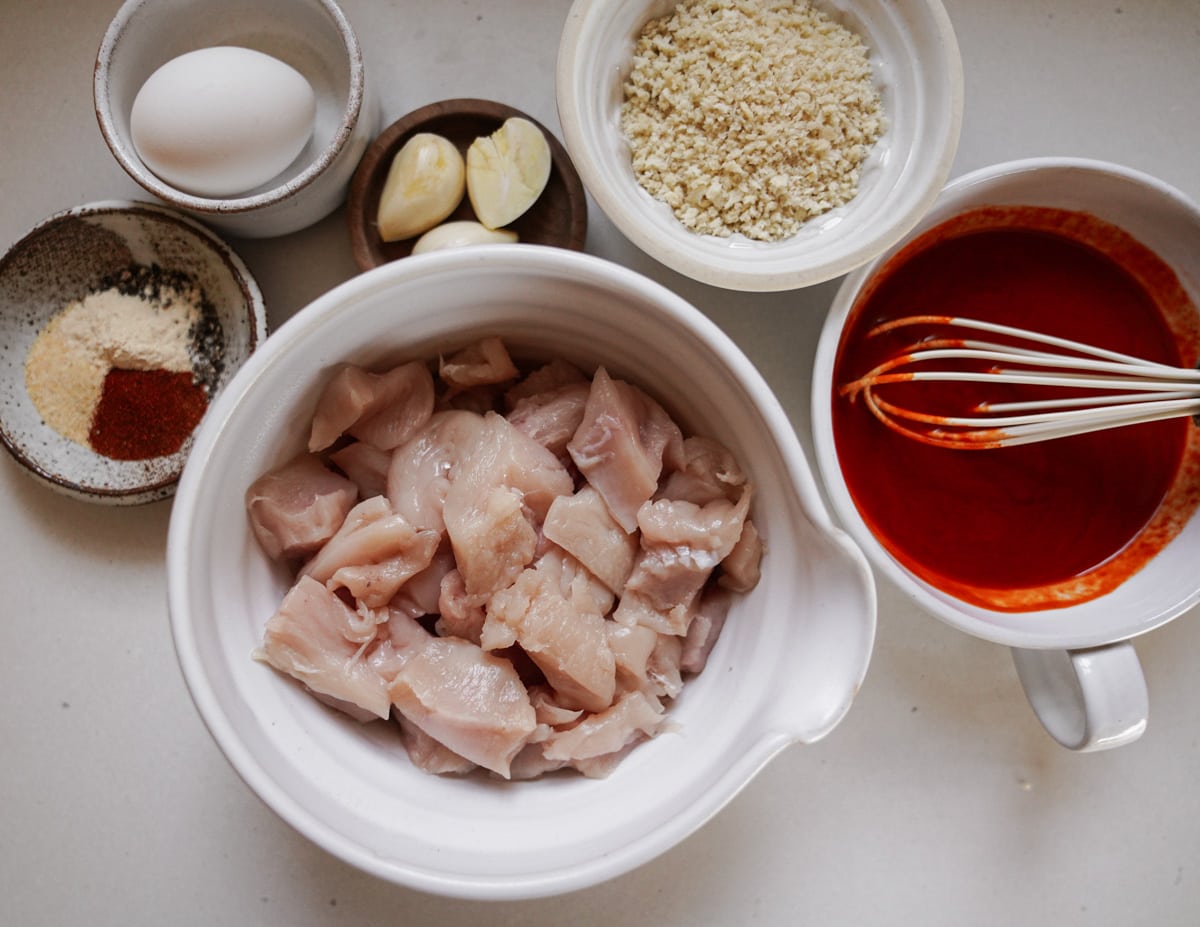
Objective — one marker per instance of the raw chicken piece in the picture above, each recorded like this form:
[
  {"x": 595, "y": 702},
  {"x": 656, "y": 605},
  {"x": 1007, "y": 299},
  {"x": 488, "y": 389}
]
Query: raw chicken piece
[
  {"x": 582, "y": 525},
  {"x": 397, "y": 639},
  {"x": 681, "y": 544},
  {"x": 545, "y": 379},
  {"x": 365, "y": 465},
  {"x": 380, "y": 409},
  {"x": 662, "y": 669},
  {"x": 549, "y": 711},
  {"x": 531, "y": 763},
  {"x": 480, "y": 364},
  {"x": 296, "y": 508},
  {"x": 706, "y": 626},
  {"x": 470, "y": 701},
  {"x": 741, "y": 569},
  {"x": 497, "y": 499},
  {"x": 419, "y": 596},
  {"x": 566, "y": 640},
  {"x": 306, "y": 638},
  {"x": 459, "y": 616},
  {"x": 621, "y": 445},
  {"x": 632, "y": 715},
  {"x": 631, "y": 645},
  {"x": 420, "y": 471},
  {"x": 373, "y": 554},
  {"x": 428, "y": 755},
  {"x": 553, "y": 417},
  {"x": 709, "y": 471}
]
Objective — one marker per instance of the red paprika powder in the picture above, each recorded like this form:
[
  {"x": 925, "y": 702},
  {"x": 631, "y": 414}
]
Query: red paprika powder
[{"x": 146, "y": 413}]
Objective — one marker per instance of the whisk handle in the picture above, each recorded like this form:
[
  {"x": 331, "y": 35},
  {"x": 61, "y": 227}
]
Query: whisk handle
[{"x": 1090, "y": 699}]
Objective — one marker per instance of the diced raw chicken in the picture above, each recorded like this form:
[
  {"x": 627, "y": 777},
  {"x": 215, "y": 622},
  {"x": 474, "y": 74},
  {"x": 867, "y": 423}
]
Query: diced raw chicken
[
  {"x": 601, "y": 767},
  {"x": 382, "y": 409},
  {"x": 553, "y": 417},
  {"x": 459, "y": 615},
  {"x": 365, "y": 465},
  {"x": 306, "y": 638},
  {"x": 631, "y": 645},
  {"x": 296, "y": 508},
  {"x": 577, "y": 584},
  {"x": 705, "y": 628},
  {"x": 583, "y": 525},
  {"x": 480, "y": 364},
  {"x": 632, "y": 715},
  {"x": 549, "y": 711},
  {"x": 742, "y": 568},
  {"x": 419, "y": 596},
  {"x": 545, "y": 379},
  {"x": 568, "y": 643},
  {"x": 662, "y": 669},
  {"x": 428, "y": 755},
  {"x": 708, "y": 472},
  {"x": 419, "y": 475},
  {"x": 497, "y": 499},
  {"x": 468, "y": 700},
  {"x": 396, "y": 640},
  {"x": 681, "y": 543},
  {"x": 531, "y": 763},
  {"x": 621, "y": 445},
  {"x": 373, "y": 554}
]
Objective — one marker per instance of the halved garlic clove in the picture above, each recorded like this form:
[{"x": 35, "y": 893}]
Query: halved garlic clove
[
  {"x": 424, "y": 185},
  {"x": 461, "y": 233},
  {"x": 507, "y": 171}
]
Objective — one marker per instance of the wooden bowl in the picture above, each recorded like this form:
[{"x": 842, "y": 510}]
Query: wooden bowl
[{"x": 558, "y": 218}]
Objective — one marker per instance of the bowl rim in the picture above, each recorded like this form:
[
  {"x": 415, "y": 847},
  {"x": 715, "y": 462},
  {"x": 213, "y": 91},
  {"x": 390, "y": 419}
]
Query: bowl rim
[
  {"x": 571, "y": 88},
  {"x": 122, "y": 149},
  {"x": 257, "y": 330}
]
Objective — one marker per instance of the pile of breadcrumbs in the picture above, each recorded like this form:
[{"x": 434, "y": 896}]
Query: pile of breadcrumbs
[{"x": 750, "y": 116}]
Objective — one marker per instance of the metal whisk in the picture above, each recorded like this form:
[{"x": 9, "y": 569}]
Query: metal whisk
[{"x": 1094, "y": 388}]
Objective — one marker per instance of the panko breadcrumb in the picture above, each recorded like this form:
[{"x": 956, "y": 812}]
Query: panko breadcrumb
[{"x": 750, "y": 116}]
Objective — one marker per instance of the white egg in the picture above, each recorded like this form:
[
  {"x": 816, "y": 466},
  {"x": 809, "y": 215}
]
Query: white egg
[{"x": 221, "y": 121}]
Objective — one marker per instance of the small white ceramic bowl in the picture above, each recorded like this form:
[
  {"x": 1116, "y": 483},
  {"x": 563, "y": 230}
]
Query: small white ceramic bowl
[
  {"x": 313, "y": 36},
  {"x": 785, "y": 670},
  {"x": 61, "y": 260},
  {"x": 918, "y": 70}
]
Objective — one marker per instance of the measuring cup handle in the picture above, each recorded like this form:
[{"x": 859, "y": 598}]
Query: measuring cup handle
[{"x": 1090, "y": 699}]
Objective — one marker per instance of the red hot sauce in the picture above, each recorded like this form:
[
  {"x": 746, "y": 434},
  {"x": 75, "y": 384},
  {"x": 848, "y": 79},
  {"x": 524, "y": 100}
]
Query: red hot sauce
[{"x": 1042, "y": 525}]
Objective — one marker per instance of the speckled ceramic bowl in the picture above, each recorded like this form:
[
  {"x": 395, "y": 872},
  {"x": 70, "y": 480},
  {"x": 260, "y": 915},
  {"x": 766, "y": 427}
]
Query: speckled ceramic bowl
[
  {"x": 313, "y": 36},
  {"x": 60, "y": 261}
]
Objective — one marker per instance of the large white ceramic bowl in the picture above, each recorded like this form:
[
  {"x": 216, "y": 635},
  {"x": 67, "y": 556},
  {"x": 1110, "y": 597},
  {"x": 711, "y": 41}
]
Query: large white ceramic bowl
[
  {"x": 313, "y": 36},
  {"x": 785, "y": 669},
  {"x": 918, "y": 71}
]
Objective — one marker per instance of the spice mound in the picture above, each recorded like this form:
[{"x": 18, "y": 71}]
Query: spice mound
[
  {"x": 127, "y": 369},
  {"x": 750, "y": 117}
]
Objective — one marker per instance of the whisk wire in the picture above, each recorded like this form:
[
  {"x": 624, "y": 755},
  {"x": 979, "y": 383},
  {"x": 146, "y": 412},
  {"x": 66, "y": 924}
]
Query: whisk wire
[{"x": 1123, "y": 389}]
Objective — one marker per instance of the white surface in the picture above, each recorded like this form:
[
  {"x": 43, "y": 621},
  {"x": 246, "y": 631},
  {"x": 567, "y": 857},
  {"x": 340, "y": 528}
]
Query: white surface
[{"x": 939, "y": 800}]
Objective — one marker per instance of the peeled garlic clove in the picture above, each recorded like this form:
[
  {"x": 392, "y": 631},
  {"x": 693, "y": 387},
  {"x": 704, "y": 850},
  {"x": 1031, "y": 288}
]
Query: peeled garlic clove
[
  {"x": 424, "y": 185},
  {"x": 507, "y": 171},
  {"x": 459, "y": 234}
]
